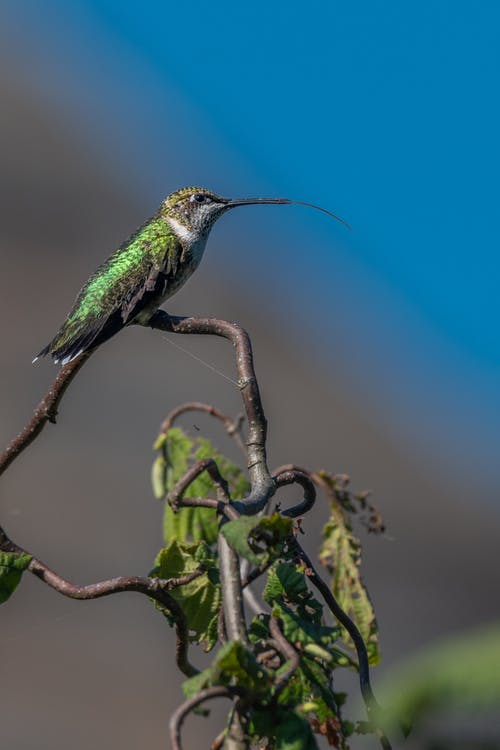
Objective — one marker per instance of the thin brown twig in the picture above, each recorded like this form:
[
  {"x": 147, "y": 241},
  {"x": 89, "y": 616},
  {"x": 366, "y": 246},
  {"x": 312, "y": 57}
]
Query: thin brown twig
[
  {"x": 232, "y": 599},
  {"x": 209, "y": 502},
  {"x": 222, "y": 504},
  {"x": 262, "y": 486},
  {"x": 177, "y": 718},
  {"x": 256, "y": 573},
  {"x": 221, "y": 627},
  {"x": 287, "y": 651},
  {"x": 232, "y": 426},
  {"x": 207, "y": 464},
  {"x": 156, "y": 588},
  {"x": 46, "y": 411},
  {"x": 219, "y": 740}
]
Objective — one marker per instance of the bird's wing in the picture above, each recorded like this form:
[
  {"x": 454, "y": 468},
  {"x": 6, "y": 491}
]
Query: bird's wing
[
  {"x": 124, "y": 285},
  {"x": 153, "y": 287}
]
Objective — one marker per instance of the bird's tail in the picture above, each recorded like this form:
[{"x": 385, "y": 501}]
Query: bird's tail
[
  {"x": 41, "y": 354},
  {"x": 73, "y": 339}
]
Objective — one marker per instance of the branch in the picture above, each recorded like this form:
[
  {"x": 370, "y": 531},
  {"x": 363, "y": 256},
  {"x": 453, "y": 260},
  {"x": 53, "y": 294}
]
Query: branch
[
  {"x": 233, "y": 427},
  {"x": 247, "y": 579},
  {"x": 251, "y": 600},
  {"x": 176, "y": 494},
  {"x": 46, "y": 411},
  {"x": 156, "y": 588},
  {"x": 372, "y": 707},
  {"x": 232, "y": 593},
  {"x": 208, "y": 502},
  {"x": 176, "y": 499},
  {"x": 232, "y": 598},
  {"x": 262, "y": 486},
  {"x": 292, "y": 476},
  {"x": 177, "y": 719},
  {"x": 288, "y": 652},
  {"x": 256, "y": 573}
]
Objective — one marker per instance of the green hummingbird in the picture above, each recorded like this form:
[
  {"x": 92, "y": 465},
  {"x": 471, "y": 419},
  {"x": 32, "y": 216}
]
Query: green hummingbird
[{"x": 145, "y": 270}]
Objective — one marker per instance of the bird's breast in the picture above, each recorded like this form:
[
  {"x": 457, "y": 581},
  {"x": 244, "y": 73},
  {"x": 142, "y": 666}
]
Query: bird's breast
[{"x": 187, "y": 265}]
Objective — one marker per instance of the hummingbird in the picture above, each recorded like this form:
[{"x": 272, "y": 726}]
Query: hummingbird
[{"x": 146, "y": 269}]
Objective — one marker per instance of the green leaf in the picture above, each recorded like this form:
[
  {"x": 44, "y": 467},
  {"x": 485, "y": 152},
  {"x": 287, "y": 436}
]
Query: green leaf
[
  {"x": 286, "y": 584},
  {"x": 341, "y": 554},
  {"x": 258, "y": 538},
  {"x": 459, "y": 675},
  {"x": 200, "y": 599},
  {"x": 159, "y": 476},
  {"x": 177, "y": 452},
  {"x": 285, "y": 729},
  {"x": 301, "y": 631},
  {"x": 12, "y": 566},
  {"x": 299, "y": 611},
  {"x": 232, "y": 665},
  {"x": 237, "y": 534},
  {"x": 285, "y": 581}
]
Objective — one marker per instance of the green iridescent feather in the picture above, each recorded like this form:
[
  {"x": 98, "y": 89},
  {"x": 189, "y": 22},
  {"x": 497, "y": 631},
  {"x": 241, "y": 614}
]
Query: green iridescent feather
[{"x": 135, "y": 277}]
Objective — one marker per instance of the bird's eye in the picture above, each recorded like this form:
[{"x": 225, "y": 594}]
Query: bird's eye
[{"x": 199, "y": 198}]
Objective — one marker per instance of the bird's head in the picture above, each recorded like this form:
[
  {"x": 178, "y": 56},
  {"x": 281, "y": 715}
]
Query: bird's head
[{"x": 193, "y": 210}]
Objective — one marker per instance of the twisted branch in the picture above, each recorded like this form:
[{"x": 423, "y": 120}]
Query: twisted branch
[
  {"x": 156, "y": 588},
  {"x": 288, "y": 652},
  {"x": 46, "y": 411},
  {"x": 233, "y": 426},
  {"x": 231, "y": 620},
  {"x": 372, "y": 707},
  {"x": 262, "y": 485},
  {"x": 177, "y": 718},
  {"x": 292, "y": 476}
]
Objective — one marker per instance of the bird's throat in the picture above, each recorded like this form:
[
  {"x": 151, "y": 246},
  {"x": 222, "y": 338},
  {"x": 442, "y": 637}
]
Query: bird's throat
[{"x": 186, "y": 235}]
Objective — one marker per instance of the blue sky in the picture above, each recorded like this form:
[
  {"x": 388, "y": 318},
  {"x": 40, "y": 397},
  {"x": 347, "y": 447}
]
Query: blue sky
[{"x": 385, "y": 112}]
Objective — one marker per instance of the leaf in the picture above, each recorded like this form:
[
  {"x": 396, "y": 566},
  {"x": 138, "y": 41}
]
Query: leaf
[
  {"x": 341, "y": 554},
  {"x": 310, "y": 687},
  {"x": 200, "y": 599},
  {"x": 332, "y": 729},
  {"x": 459, "y": 675},
  {"x": 287, "y": 585},
  {"x": 177, "y": 452},
  {"x": 285, "y": 580},
  {"x": 285, "y": 728},
  {"x": 258, "y": 538},
  {"x": 12, "y": 566},
  {"x": 232, "y": 665},
  {"x": 159, "y": 476}
]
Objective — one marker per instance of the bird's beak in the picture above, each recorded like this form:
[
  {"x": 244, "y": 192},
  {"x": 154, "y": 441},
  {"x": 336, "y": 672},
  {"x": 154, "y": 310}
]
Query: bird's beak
[{"x": 232, "y": 203}]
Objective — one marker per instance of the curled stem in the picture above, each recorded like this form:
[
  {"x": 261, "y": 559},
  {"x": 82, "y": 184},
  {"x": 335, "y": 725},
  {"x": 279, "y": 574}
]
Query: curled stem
[
  {"x": 262, "y": 485},
  {"x": 372, "y": 707},
  {"x": 287, "y": 651},
  {"x": 207, "y": 464},
  {"x": 177, "y": 718},
  {"x": 46, "y": 411},
  {"x": 156, "y": 588},
  {"x": 296, "y": 476},
  {"x": 233, "y": 426}
]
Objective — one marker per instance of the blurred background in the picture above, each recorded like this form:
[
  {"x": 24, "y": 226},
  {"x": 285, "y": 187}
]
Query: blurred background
[{"x": 377, "y": 349}]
